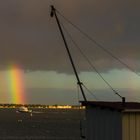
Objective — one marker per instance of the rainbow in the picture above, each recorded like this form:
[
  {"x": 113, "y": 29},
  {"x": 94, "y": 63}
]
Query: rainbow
[{"x": 15, "y": 85}]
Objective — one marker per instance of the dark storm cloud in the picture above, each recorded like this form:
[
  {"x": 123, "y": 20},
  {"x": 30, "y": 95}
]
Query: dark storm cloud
[{"x": 29, "y": 37}]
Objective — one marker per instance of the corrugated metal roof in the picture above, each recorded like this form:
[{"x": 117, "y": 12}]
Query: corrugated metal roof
[{"x": 112, "y": 105}]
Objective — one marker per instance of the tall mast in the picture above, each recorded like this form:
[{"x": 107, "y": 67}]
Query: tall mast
[{"x": 53, "y": 14}]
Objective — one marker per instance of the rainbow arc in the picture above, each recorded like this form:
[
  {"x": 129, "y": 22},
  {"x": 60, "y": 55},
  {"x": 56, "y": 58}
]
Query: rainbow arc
[{"x": 16, "y": 85}]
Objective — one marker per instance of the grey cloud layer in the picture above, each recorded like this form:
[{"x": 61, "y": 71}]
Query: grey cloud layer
[{"x": 29, "y": 37}]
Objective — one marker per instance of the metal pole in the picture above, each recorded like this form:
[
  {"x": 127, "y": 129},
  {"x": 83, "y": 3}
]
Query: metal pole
[{"x": 53, "y": 13}]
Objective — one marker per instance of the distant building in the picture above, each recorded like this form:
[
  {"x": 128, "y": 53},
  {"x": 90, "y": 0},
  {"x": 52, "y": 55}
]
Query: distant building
[{"x": 112, "y": 120}]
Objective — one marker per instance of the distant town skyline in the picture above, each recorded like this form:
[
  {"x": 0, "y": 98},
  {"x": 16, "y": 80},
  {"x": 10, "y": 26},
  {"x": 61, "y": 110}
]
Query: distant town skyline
[{"x": 30, "y": 40}]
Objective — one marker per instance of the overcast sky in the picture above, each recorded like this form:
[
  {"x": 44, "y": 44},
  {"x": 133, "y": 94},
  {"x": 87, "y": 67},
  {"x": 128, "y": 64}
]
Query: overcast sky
[{"x": 30, "y": 39}]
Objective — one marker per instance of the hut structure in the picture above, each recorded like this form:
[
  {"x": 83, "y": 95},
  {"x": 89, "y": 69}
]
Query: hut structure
[{"x": 112, "y": 120}]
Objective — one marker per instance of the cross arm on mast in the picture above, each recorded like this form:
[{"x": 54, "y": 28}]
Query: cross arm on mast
[{"x": 53, "y": 14}]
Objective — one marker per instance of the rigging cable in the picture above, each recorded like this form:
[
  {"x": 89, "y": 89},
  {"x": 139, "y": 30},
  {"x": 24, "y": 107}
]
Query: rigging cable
[
  {"x": 87, "y": 59},
  {"x": 90, "y": 92},
  {"x": 98, "y": 44}
]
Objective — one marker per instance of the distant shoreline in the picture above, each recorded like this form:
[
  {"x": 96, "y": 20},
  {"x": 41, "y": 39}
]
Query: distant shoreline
[{"x": 41, "y": 106}]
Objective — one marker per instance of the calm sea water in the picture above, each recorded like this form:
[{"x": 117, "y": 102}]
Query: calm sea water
[{"x": 51, "y": 124}]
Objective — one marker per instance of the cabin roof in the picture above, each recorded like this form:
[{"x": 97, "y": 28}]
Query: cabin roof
[{"x": 113, "y": 105}]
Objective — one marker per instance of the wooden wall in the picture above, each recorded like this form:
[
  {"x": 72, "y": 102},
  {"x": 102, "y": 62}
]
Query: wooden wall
[
  {"x": 103, "y": 124},
  {"x": 131, "y": 125}
]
